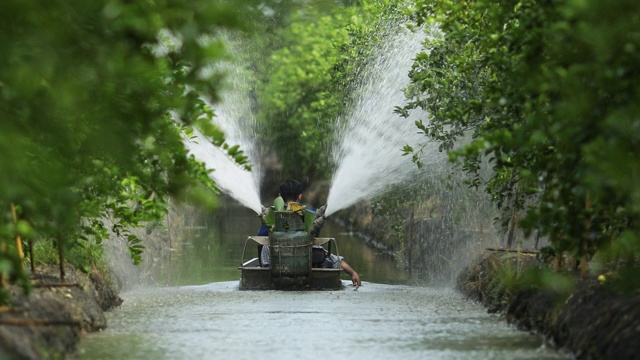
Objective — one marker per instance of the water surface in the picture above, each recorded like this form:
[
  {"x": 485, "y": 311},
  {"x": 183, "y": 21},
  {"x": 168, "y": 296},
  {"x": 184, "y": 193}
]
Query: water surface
[
  {"x": 375, "y": 322},
  {"x": 197, "y": 311}
]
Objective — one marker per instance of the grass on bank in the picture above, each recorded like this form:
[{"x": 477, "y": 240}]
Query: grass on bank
[
  {"x": 497, "y": 278},
  {"x": 85, "y": 255}
]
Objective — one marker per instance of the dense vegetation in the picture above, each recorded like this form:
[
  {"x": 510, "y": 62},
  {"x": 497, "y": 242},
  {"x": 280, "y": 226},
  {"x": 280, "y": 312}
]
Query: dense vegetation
[
  {"x": 95, "y": 109},
  {"x": 96, "y": 99},
  {"x": 541, "y": 96},
  {"x": 304, "y": 85},
  {"x": 88, "y": 96},
  {"x": 548, "y": 91}
]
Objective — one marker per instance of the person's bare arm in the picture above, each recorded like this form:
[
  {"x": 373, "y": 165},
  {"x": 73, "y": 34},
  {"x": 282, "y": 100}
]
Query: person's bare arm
[{"x": 355, "y": 278}]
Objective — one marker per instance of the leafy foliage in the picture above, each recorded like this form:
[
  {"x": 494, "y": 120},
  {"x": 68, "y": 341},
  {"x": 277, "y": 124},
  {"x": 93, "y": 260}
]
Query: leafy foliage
[
  {"x": 306, "y": 83},
  {"x": 85, "y": 129},
  {"x": 296, "y": 101},
  {"x": 548, "y": 92}
]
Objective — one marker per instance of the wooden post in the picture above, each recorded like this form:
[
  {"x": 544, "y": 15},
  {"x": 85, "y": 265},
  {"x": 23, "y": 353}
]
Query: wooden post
[
  {"x": 410, "y": 247},
  {"x": 31, "y": 258},
  {"x": 18, "y": 239},
  {"x": 512, "y": 228},
  {"x": 3, "y": 283},
  {"x": 559, "y": 261},
  {"x": 61, "y": 258},
  {"x": 169, "y": 223},
  {"x": 514, "y": 219},
  {"x": 584, "y": 246}
]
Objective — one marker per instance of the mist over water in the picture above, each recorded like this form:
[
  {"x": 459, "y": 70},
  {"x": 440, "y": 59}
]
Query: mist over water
[{"x": 368, "y": 150}]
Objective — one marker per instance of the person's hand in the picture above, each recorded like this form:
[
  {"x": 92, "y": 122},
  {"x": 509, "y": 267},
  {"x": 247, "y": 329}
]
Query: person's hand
[{"x": 355, "y": 279}]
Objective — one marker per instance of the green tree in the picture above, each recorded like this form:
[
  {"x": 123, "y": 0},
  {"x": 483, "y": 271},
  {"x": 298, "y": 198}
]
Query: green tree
[
  {"x": 297, "y": 104},
  {"x": 548, "y": 93},
  {"x": 308, "y": 79},
  {"x": 86, "y": 90}
]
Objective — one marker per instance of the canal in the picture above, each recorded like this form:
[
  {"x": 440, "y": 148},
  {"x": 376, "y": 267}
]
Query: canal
[{"x": 197, "y": 312}]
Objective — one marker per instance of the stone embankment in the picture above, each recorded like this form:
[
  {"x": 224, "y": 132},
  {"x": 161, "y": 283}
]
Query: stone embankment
[
  {"x": 48, "y": 323},
  {"x": 589, "y": 318}
]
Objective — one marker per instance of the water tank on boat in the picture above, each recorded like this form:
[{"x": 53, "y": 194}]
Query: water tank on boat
[{"x": 290, "y": 250}]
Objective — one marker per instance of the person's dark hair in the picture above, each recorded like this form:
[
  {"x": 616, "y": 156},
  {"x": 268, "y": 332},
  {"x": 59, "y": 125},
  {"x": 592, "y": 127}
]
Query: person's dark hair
[{"x": 290, "y": 189}]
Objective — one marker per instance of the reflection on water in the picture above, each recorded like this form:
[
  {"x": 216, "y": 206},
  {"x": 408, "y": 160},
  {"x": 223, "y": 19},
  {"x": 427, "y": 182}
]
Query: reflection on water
[{"x": 203, "y": 315}]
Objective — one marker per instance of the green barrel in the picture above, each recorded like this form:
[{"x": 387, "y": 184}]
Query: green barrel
[{"x": 290, "y": 250}]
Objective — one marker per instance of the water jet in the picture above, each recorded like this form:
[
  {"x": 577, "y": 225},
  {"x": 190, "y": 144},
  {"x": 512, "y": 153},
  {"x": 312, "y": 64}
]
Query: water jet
[
  {"x": 237, "y": 122},
  {"x": 370, "y": 138}
]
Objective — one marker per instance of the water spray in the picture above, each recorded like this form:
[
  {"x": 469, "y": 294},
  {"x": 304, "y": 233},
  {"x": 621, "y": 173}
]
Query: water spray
[
  {"x": 229, "y": 176},
  {"x": 368, "y": 151},
  {"x": 237, "y": 122}
]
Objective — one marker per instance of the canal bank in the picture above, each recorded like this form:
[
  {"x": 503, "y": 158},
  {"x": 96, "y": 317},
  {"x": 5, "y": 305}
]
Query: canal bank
[
  {"x": 48, "y": 322},
  {"x": 587, "y": 317}
]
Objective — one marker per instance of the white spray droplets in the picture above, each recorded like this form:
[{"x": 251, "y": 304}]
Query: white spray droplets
[
  {"x": 369, "y": 144},
  {"x": 235, "y": 119},
  {"x": 231, "y": 178}
]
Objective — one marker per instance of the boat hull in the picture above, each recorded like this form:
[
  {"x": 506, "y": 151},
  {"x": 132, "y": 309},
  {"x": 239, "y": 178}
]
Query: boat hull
[{"x": 254, "y": 277}]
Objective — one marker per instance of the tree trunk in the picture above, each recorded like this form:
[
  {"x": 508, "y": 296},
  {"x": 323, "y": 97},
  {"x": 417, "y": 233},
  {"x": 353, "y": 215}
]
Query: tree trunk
[
  {"x": 31, "y": 258},
  {"x": 18, "y": 239},
  {"x": 584, "y": 246},
  {"x": 512, "y": 228},
  {"x": 169, "y": 224},
  {"x": 61, "y": 258},
  {"x": 410, "y": 245}
]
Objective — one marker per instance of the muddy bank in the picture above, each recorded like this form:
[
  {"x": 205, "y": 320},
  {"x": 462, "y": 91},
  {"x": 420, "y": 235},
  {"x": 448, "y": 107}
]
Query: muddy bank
[
  {"x": 589, "y": 318},
  {"x": 48, "y": 323}
]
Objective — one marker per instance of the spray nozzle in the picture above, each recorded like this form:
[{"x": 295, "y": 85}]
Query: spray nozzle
[
  {"x": 318, "y": 223},
  {"x": 320, "y": 211},
  {"x": 263, "y": 213}
]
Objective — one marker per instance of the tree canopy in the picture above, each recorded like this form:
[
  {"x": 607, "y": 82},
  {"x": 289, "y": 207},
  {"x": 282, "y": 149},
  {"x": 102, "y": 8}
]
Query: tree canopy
[
  {"x": 88, "y": 97},
  {"x": 548, "y": 92},
  {"x": 306, "y": 82},
  {"x": 96, "y": 98}
]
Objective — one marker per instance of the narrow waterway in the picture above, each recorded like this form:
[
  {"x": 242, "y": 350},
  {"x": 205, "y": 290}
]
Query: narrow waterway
[{"x": 199, "y": 313}]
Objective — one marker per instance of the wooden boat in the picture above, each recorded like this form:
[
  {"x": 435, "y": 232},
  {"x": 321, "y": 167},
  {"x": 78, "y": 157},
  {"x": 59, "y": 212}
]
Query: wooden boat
[{"x": 290, "y": 267}]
